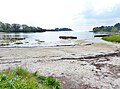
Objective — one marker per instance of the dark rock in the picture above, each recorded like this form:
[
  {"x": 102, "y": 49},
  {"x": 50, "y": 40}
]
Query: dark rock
[
  {"x": 102, "y": 35},
  {"x": 67, "y": 37}
]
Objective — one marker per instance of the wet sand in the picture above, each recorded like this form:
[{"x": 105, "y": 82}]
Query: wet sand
[{"x": 86, "y": 65}]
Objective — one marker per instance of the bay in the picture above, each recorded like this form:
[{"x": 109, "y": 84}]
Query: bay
[{"x": 44, "y": 39}]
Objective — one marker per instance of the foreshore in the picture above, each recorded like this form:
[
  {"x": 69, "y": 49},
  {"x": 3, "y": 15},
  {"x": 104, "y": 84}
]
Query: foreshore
[{"x": 89, "y": 64}]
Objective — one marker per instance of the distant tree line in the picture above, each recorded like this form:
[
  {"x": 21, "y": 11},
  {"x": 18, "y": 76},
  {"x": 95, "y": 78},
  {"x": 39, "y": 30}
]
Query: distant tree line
[
  {"x": 115, "y": 28},
  {"x": 63, "y": 29},
  {"x": 6, "y": 27}
]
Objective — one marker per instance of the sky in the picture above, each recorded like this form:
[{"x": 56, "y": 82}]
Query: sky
[{"x": 75, "y": 14}]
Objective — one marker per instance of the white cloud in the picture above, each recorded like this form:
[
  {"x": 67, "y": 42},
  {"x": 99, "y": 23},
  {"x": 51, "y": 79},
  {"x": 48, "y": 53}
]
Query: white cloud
[
  {"x": 100, "y": 6},
  {"x": 40, "y": 12},
  {"x": 99, "y": 12},
  {"x": 55, "y": 13}
]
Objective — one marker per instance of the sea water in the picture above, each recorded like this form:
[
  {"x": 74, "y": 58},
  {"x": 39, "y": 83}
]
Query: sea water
[{"x": 45, "y": 39}]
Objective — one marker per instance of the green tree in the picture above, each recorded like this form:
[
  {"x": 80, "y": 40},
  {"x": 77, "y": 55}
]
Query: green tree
[
  {"x": 15, "y": 27},
  {"x": 114, "y": 29},
  {"x": 117, "y": 26},
  {"x": 6, "y": 27},
  {"x": 1, "y": 29}
]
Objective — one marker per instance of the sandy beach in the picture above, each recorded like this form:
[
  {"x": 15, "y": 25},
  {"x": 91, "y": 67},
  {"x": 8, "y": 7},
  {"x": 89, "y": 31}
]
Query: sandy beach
[{"x": 86, "y": 65}]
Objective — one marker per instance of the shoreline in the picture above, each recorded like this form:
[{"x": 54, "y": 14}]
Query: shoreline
[
  {"x": 87, "y": 65},
  {"x": 67, "y": 43}
]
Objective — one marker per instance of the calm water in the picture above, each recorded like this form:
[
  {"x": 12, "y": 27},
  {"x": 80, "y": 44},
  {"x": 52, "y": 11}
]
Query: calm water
[{"x": 45, "y": 38}]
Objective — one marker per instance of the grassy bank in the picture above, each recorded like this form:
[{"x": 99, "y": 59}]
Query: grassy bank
[
  {"x": 20, "y": 78},
  {"x": 112, "y": 38}
]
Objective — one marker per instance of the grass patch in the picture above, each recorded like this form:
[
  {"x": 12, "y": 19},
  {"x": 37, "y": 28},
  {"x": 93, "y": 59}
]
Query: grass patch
[
  {"x": 5, "y": 44},
  {"x": 112, "y": 38},
  {"x": 12, "y": 39},
  {"x": 20, "y": 78}
]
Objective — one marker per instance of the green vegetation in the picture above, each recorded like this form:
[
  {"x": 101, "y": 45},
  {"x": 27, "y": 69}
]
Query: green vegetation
[
  {"x": 112, "y": 38},
  {"x": 4, "y": 44},
  {"x": 6, "y": 27},
  {"x": 8, "y": 41},
  {"x": 62, "y": 29},
  {"x": 113, "y": 29},
  {"x": 20, "y": 78},
  {"x": 19, "y": 43},
  {"x": 12, "y": 39}
]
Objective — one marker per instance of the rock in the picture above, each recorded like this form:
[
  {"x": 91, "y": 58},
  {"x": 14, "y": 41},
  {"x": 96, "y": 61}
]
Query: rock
[
  {"x": 102, "y": 35},
  {"x": 118, "y": 74},
  {"x": 67, "y": 37},
  {"x": 88, "y": 43}
]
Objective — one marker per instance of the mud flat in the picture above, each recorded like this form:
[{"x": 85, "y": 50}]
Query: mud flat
[{"x": 85, "y": 65}]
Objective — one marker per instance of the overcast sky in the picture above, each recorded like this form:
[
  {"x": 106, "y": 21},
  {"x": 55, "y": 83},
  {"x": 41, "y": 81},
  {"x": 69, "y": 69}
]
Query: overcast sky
[{"x": 75, "y": 14}]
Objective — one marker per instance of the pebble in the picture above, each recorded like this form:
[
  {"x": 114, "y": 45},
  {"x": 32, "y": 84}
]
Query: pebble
[{"x": 118, "y": 74}]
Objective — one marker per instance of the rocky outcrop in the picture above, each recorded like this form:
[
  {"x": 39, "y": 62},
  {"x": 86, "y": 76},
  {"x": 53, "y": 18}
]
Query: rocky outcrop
[{"x": 67, "y": 37}]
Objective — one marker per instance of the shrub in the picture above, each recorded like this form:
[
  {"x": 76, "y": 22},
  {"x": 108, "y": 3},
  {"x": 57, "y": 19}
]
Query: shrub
[{"x": 20, "y": 78}]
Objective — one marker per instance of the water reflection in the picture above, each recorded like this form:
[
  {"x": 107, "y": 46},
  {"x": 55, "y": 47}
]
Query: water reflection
[{"x": 12, "y": 35}]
